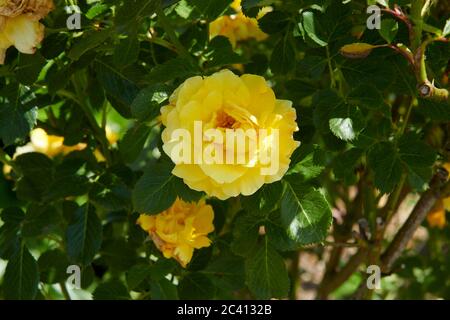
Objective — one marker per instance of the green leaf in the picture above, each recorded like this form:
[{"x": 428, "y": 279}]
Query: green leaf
[
  {"x": 308, "y": 24},
  {"x": 264, "y": 200},
  {"x": 29, "y": 68},
  {"x": 9, "y": 232},
  {"x": 40, "y": 220},
  {"x": 419, "y": 159},
  {"x": 15, "y": 122},
  {"x": 172, "y": 69},
  {"x": 53, "y": 266},
  {"x": 266, "y": 274},
  {"x": 343, "y": 128},
  {"x": 84, "y": 235},
  {"x": 211, "y": 9},
  {"x": 163, "y": 290},
  {"x": 384, "y": 161},
  {"x": 220, "y": 53},
  {"x": 153, "y": 192},
  {"x": 366, "y": 95},
  {"x": 118, "y": 86},
  {"x": 133, "y": 141},
  {"x": 389, "y": 29},
  {"x": 21, "y": 277},
  {"x": 88, "y": 41},
  {"x": 111, "y": 290},
  {"x": 131, "y": 12},
  {"x": 308, "y": 161},
  {"x": 305, "y": 213},
  {"x": 127, "y": 51},
  {"x": 147, "y": 103},
  {"x": 345, "y": 165},
  {"x": 137, "y": 275},
  {"x": 274, "y": 22},
  {"x": 196, "y": 286},
  {"x": 282, "y": 60},
  {"x": 245, "y": 233}
]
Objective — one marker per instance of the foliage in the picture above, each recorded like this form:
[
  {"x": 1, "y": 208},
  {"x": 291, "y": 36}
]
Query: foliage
[{"x": 373, "y": 117}]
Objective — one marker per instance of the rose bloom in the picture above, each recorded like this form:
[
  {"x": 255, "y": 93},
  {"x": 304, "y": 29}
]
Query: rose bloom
[
  {"x": 238, "y": 27},
  {"x": 177, "y": 231},
  {"x": 225, "y": 101},
  {"x": 19, "y": 24}
]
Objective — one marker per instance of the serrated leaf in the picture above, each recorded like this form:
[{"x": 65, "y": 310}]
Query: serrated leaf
[
  {"x": 266, "y": 274},
  {"x": 133, "y": 141},
  {"x": 21, "y": 277},
  {"x": 84, "y": 235},
  {"x": 309, "y": 26},
  {"x": 153, "y": 192},
  {"x": 305, "y": 213},
  {"x": 384, "y": 161},
  {"x": 196, "y": 286},
  {"x": 282, "y": 60}
]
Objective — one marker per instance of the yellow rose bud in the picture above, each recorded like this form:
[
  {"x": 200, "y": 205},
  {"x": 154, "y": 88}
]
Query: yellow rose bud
[
  {"x": 177, "y": 231},
  {"x": 224, "y": 104}
]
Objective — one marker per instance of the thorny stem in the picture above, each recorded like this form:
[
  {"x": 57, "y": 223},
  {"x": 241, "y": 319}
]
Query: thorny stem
[{"x": 330, "y": 68}]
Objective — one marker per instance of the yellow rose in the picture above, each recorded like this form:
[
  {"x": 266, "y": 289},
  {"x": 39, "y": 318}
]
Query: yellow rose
[
  {"x": 19, "y": 24},
  {"x": 226, "y": 102},
  {"x": 177, "y": 231},
  {"x": 237, "y": 27},
  {"x": 22, "y": 32}
]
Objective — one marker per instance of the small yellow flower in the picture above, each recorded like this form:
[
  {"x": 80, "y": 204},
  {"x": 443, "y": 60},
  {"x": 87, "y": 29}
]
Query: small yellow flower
[
  {"x": 222, "y": 102},
  {"x": 49, "y": 145},
  {"x": 177, "y": 231},
  {"x": 238, "y": 27}
]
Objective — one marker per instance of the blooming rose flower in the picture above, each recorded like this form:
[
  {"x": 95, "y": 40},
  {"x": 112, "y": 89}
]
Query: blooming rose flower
[
  {"x": 224, "y": 101},
  {"x": 179, "y": 230},
  {"x": 237, "y": 27},
  {"x": 19, "y": 24}
]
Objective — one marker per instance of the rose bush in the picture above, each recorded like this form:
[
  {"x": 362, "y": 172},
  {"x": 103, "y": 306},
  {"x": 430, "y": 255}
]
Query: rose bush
[{"x": 114, "y": 118}]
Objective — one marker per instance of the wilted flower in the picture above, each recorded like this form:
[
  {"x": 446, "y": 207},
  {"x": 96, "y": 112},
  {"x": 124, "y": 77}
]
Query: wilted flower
[{"x": 177, "y": 231}]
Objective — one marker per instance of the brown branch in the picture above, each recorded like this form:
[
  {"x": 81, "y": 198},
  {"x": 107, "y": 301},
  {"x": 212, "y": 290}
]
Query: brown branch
[
  {"x": 337, "y": 279},
  {"x": 419, "y": 213}
]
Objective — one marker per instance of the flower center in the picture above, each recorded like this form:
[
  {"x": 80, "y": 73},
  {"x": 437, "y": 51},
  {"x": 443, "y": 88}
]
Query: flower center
[{"x": 225, "y": 121}]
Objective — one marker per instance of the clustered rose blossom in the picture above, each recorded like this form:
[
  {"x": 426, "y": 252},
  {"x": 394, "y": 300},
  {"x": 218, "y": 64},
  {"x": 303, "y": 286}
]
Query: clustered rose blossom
[
  {"x": 20, "y": 26},
  {"x": 177, "y": 231},
  {"x": 237, "y": 27}
]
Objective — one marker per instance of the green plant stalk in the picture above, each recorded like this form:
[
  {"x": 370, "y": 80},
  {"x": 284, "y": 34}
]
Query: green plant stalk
[{"x": 417, "y": 18}]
